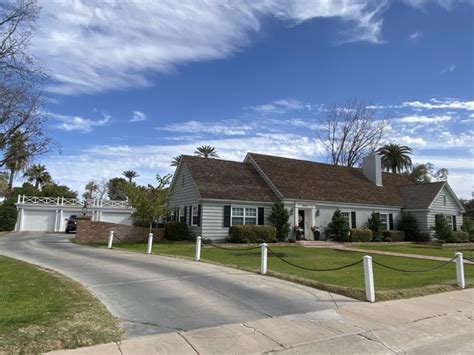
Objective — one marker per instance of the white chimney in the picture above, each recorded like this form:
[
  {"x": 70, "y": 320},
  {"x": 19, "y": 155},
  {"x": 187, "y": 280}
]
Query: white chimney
[{"x": 372, "y": 168}]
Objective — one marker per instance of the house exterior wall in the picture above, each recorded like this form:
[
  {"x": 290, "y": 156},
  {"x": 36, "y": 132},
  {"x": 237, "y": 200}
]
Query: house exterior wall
[
  {"x": 213, "y": 217},
  {"x": 185, "y": 193},
  {"x": 326, "y": 211}
]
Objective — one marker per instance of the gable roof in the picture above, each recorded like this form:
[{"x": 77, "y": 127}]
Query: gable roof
[
  {"x": 420, "y": 196},
  {"x": 307, "y": 180},
  {"x": 227, "y": 180}
]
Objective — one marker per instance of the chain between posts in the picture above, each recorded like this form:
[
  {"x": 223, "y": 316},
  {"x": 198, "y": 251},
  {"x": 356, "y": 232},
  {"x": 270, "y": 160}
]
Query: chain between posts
[
  {"x": 231, "y": 249},
  {"x": 422, "y": 270}
]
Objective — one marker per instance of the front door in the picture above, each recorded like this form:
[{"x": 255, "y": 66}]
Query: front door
[{"x": 301, "y": 222}]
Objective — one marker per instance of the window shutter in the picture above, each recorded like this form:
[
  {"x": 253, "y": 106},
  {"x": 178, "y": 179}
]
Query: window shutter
[
  {"x": 185, "y": 214},
  {"x": 175, "y": 213},
  {"x": 455, "y": 228},
  {"x": 390, "y": 221},
  {"x": 226, "y": 216},
  {"x": 199, "y": 215},
  {"x": 353, "y": 220},
  {"x": 261, "y": 216},
  {"x": 190, "y": 215}
]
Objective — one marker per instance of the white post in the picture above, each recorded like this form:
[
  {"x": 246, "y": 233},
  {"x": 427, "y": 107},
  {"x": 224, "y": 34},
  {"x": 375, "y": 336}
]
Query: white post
[
  {"x": 198, "y": 249},
  {"x": 150, "y": 243},
  {"x": 263, "y": 265},
  {"x": 460, "y": 270},
  {"x": 369, "y": 279},
  {"x": 111, "y": 239},
  {"x": 19, "y": 199}
]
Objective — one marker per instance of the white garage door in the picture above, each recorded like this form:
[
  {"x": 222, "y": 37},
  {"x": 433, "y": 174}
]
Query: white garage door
[
  {"x": 38, "y": 220},
  {"x": 121, "y": 218}
]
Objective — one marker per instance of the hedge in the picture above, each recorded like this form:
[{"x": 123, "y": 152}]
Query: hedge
[
  {"x": 177, "y": 231},
  {"x": 393, "y": 236},
  {"x": 360, "y": 235},
  {"x": 252, "y": 234},
  {"x": 459, "y": 237},
  {"x": 423, "y": 237},
  {"x": 8, "y": 216}
]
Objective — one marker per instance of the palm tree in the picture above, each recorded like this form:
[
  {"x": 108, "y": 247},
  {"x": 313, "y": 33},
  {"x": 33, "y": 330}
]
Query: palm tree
[
  {"x": 90, "y": 188},
  {"x": 395, "y": 158},
  {"x": 206, "y": 151},
  {"x": 176, "y": 160},
  {"x": 37, "y": 173},
  {"x": 130, "y": 174},
  {"x": 18, "y": 157}
]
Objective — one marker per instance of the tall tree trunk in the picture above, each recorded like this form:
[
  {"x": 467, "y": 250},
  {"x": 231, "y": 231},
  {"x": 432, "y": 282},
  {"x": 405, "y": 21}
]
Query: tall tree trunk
[
  {"x": 10, "y": 181},
  {"x": 36, "y": 184}
]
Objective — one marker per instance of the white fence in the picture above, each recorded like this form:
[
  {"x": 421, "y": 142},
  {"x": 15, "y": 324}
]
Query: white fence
[{"x": 62, "y": 201}]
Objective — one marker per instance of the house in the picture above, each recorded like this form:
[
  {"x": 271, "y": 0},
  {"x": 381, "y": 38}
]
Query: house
[{"x": 210, "y": 195}]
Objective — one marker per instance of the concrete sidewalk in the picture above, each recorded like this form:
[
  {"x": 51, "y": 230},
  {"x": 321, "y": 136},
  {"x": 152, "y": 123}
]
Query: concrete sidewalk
[{"x": 440, "y": 323}]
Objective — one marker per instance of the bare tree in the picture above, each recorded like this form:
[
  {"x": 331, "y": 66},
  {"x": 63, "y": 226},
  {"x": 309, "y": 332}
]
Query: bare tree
[
  {"x": 20, "y": 79},
  {"x": 350, "y": 132}
]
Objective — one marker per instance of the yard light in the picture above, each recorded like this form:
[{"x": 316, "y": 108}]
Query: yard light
[{"x": 84, "y": 208}]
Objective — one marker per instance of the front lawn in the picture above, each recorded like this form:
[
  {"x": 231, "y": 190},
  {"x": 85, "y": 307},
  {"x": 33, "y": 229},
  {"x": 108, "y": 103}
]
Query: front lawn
[
  {"x": 42, "y": 311},
  {"x": 389, "y": 284},
  {"x": 420, "y": 249}
]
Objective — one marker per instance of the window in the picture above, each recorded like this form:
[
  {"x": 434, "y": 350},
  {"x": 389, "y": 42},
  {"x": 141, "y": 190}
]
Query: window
[
  {"x": 384, "y": 222},
  {"x": 195, "y": 219},
  {"x": 347, "y": 217},
  {"x": 449, "y": 219},
  {"x": 182, "y": 215},
  {"x": 242, "y": 215}
]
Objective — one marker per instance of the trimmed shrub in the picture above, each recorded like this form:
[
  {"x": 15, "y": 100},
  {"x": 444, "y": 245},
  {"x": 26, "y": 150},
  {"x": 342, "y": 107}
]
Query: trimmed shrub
[
  {"x": 409, "y": 225},
  {"x": 8, "y": 216},
  {"x": 177, "y": 231},
  {"x": 459, "y": 237},
  {"x": 394, "y": 236},
  {"x": 337, "y": 229},
  {"x": 375, "y": 225},
  {"x": 252, "y": 234},
  {"x": 423, "y": 237},
  {"x": 442, "y": 229},
  {"x": 360, "y": 235}
]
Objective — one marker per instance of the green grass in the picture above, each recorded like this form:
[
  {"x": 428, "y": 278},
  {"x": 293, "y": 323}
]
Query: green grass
[
  {"x": 420, "y": 249},
  {"x": 389, "y": 284},
  {"x": 42, "y": 311}
]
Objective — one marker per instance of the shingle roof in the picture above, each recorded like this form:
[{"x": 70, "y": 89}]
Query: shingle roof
[
  {"x": 228, "y": 180},
  {"x": 420, "y": 196},
  {"x": 306, "y": 180}
]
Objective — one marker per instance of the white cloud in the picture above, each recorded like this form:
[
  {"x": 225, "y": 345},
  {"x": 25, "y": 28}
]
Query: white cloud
[
  {"x": 446, "y": 4},
  {"x": 137, "y": 116},
  {"x": 416, "y": 36},
  {"x": 448, "y": 69},
  {"x": 76, "y": 123},
  {"x": 226, "y": 128},
  {"x": 441, "y": 104},
  {"x": 424, "y": 119},
  {"x": 93, "y": 46}
]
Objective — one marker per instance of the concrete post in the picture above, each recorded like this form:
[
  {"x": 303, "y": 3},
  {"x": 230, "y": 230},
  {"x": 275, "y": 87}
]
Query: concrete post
[
  {"x": 263, "y": 265},
  {"x": 111, "y": 239},
  {"x": 369, "y": 279},
  {"x": 19, "y": 199},
  {"x": 150, "y": 243},
  {"x": 460, "y": 270},
  {"x": 198, "y": 249}
]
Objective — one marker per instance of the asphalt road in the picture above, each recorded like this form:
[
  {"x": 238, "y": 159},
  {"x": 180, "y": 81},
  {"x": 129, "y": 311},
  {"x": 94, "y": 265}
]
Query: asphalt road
[{"x": 155, "y": 294}]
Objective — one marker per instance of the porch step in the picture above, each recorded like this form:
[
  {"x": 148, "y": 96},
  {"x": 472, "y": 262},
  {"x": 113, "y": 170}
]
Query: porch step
[{"x": 319, "y": 243}]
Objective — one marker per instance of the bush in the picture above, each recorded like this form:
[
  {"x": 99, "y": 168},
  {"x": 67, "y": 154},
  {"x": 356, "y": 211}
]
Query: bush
[
  {"x": 423, "y": 237},
  {"x": 468, "y": 226},
  {"x": 459, "y": 237},
  {"x": 394, "y": 236},
  {"x": 252, "y": 234},
  {"x": 360, "y": 235},
  {"x": 375, "y": 225},
  {"x": 337, "y": 229},
  {"x": 279, "y": 218},
  {"x": 177, "y": 231},
  {"x": 8, "y": 216},
  {"x": 442, "y": 229},
  {"x": 409, "y": 225}
]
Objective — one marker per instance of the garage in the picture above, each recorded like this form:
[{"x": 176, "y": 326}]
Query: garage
[{"x": 39, "y": 220}]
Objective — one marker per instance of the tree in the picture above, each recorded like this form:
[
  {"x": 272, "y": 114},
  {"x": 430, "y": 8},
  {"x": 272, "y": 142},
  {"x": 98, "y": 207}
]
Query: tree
[
  {"x": 130, "y": 174},
  {"x": 350, "y": 132},
  {"x": 38, "y": 175},
  {"x": 206, "y": 151},
  {"x": 395, "y": 158},
  {"x": 442, "y": 229},
  {"x": 424, "y": 173},
  {"x": 20, "y": 79},
  {"x": 3, "y": 183},
  {"x": 18, "y": 157},
  {"x": 176, "y": 160},
  {"x": 55, "y": 190},
  {"x": 468, "y": 206},
  {"x": 338, "y": 228},
  {"x": 90, "y": 190},
  {"x": 279, "y": 218},
  {"x": 116, "y": 189},
  {"x": 375, "y": 225},
  {"x": 409, "y": 225},
  {"x": 149, "y": 201}
]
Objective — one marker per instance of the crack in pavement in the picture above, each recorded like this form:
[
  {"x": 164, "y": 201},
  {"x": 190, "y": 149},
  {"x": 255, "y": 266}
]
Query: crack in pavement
[
  {"x": 373, "y": 337},
  {"x": 189, "y": 343},
  {"x": 153, "y": 325}
]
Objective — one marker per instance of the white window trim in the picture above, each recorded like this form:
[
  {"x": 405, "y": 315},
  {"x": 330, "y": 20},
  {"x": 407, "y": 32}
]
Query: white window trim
[
  {"x": 244, "y": 216},
  {"x": 194, "y": 208},
  {"x": 388, "y": 221},
  {"x": 349, "y": 221}
]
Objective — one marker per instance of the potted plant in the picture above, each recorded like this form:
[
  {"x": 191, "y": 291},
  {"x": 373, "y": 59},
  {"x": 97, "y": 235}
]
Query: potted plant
[
  {"x": 316, "y": 232},
  {"x": 298, "y": 231}
]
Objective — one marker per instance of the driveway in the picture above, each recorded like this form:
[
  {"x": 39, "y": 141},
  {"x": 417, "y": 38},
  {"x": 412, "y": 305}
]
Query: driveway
[{"x": 154, "y": 294}]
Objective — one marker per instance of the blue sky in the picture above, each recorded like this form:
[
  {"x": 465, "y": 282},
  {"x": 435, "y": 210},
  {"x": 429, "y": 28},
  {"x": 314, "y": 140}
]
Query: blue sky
[{"x": 133, "y": 84}]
